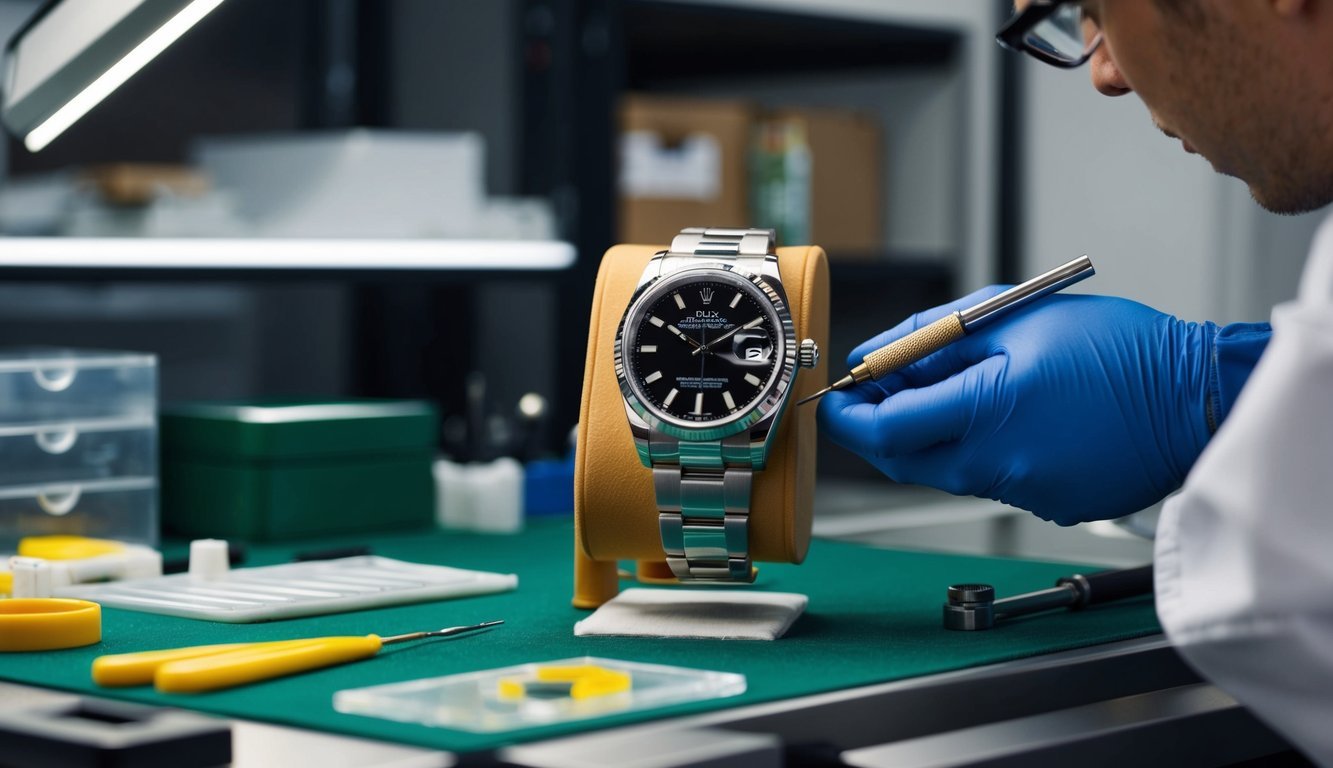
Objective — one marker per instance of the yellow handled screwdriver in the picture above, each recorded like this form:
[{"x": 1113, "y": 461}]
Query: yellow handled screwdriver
[{"x": 214, "y": 667}]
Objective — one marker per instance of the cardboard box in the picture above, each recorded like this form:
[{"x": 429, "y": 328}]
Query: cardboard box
[
  {"x": 837, "y": 172},
  {"x": 683, "y": 163}
]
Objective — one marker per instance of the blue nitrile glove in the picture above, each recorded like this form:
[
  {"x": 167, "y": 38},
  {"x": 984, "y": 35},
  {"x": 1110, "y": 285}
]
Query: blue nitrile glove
[{"x": 1075, "y": 407}]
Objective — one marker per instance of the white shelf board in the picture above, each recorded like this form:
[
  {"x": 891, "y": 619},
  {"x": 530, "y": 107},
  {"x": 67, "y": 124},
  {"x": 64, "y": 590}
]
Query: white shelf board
[
  {"x": 285, "y": 254},
  {"x": 944, "y": 14}
]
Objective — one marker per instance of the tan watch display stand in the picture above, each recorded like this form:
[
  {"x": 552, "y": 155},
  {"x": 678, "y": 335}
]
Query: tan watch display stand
[{"x": 615, "y": 510}]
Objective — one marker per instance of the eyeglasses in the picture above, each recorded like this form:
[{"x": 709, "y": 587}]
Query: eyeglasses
[{"x": 1050, "y": 31}]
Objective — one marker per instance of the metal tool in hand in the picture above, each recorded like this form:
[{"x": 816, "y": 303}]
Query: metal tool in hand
[
  {"x": 214, "y": 667},
  {"x": 973, "y": 606},
  {"x": 953, "y": 326}
]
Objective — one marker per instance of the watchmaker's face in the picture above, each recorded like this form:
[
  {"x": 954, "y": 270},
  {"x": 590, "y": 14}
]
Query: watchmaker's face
[
  {"x": 1233, "y": 82},
  {"x": 704, "y": 350}
]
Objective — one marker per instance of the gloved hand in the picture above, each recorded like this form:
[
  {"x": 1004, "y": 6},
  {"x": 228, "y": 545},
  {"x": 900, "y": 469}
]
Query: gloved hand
[{"x": 1075, "y": 407}]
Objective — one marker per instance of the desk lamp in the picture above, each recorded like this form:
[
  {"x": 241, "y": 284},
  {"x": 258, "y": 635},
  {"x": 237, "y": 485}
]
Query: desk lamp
[{"x": 74, "y": 53}]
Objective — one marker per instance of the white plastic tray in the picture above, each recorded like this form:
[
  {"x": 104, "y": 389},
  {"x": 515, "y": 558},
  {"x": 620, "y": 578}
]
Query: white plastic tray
[{"x": 287, "y": 591}]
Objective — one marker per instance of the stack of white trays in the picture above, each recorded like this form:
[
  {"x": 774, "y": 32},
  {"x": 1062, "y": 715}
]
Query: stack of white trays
[{"x": 78, "y": 445}]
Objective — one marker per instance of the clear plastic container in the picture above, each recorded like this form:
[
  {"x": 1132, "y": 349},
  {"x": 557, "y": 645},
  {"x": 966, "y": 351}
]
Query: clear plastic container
[
  {"x": 480, "y": 702},
  {"x": 77, "y": 451},
  {"x": 124, "y": 509},
  {"x": 45, "y": 386},
  {"x": 78, "y": 444}
]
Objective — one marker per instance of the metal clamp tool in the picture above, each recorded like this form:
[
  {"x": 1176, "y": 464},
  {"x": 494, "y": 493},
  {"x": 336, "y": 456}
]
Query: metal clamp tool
[{"x": 973, "y": 606}]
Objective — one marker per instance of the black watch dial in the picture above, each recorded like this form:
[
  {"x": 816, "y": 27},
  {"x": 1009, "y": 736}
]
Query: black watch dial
[{"x": 704, "y": 351}]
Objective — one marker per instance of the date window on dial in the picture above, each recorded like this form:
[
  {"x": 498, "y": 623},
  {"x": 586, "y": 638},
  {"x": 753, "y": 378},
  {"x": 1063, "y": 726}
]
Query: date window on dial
[{"x": 752, "y": 347}]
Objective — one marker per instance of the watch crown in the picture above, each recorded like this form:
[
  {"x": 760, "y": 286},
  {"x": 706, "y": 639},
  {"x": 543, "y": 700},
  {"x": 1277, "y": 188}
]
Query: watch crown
[{"x": 808, "y": 357}]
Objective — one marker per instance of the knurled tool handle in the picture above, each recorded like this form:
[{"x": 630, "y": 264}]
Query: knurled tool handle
[{"x": 909, "y": 349}]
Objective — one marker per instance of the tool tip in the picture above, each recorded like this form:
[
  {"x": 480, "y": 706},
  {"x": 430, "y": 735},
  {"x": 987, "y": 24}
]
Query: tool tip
[{"x": 815, "y": 396}]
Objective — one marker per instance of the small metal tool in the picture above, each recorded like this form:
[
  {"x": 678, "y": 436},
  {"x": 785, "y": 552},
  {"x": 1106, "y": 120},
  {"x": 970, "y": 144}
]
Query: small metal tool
[
  {"x": 973, "y": 606},
  {"x": 952, "y": 327}
]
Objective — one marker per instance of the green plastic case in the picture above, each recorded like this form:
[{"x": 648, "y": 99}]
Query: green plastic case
[{"x": 268, "y": 470}]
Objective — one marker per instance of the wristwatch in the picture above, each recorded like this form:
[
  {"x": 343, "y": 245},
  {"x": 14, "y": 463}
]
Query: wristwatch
[{"x": 705, "y": 356}]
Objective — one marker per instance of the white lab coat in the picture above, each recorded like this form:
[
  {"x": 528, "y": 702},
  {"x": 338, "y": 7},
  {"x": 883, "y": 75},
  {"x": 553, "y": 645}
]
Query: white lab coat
[{"x": 1244, "y": 554}]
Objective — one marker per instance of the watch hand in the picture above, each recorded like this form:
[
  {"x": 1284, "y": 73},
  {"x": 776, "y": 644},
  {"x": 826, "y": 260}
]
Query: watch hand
[
  {"x": 703, "y": 360},
  {"x": 683, "y": 337},
  {"x": 708, "y": 347}
]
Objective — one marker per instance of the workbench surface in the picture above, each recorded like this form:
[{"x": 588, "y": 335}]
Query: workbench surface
[{"x": 874, "y": 616}]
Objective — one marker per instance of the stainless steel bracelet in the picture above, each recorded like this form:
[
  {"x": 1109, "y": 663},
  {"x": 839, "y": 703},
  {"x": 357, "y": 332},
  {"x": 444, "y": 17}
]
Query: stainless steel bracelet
[
  {"x": 703, "y": 497},
  {"x": 749, "y": 250}
]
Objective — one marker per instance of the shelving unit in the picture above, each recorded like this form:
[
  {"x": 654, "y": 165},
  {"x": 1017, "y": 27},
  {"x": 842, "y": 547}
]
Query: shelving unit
[
  {"x": 927, "y": 71},
  {"x": 543, "y": 87}
]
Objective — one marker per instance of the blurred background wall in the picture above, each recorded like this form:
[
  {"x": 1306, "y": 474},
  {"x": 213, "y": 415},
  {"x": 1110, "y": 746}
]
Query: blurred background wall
[{"x": 895, "y": 132}]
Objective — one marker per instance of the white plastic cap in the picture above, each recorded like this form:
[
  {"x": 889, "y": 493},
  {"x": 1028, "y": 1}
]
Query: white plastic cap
[
  {"x": 208, "y": 559},
  {"x": 32, "y": 577},
  {"x": 496, "y": 496}
]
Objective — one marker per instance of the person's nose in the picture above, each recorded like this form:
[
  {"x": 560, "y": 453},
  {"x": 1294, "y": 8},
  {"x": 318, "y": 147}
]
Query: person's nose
[{"x": 1106, "y": 76}]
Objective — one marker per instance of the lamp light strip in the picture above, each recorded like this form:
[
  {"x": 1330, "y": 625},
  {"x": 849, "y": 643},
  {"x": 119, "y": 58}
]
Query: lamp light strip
[{"x": 113, "y": 78}]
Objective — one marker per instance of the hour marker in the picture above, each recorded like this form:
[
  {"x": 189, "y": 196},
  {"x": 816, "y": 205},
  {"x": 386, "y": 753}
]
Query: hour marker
[
  {"x": 750, "y": 377},
  {"x": 680, "y": 303},
  {"x": 666, "y": 403},
  {"x": 675, "y": 330},
  {"x": 754, "y": 323},
  {"x": 657, "y": 321},
  {"x": 726, "y": 398},
  {"x": 650, "y": 378},
  {"x": 648, "y": 348},
  {"x": 699, "y": 404},
  {"x": 735, "y": 301}
]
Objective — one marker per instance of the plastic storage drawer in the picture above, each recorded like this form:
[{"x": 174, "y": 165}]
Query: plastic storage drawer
[
  {"x": 77, "y": 451},
  {"x": 43, "y": 386},
  {"x": 120, "y": 508}
]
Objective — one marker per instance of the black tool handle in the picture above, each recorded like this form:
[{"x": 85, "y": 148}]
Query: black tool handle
[{"x": 1105, "y": 586}]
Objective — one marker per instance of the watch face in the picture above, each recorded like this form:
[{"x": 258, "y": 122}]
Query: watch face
[{"x": 703, "y": 350}]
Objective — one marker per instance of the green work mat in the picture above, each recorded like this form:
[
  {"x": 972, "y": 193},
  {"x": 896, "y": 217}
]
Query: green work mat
[{"x": 874, "y": 616}]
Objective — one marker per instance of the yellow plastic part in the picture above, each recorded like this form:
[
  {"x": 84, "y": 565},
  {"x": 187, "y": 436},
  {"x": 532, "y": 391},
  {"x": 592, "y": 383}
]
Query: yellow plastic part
[
  {"x": 604, "y": 684},
  {"x": 257, "y": 662},
  {"x": 45, "y": 624},
  {"x": 577, "y": 682},
  {"x": 511, "y": 688},
  {"x": 549, "y": 674},
  {"x": 67, "y": 547},
  {"x": 6, "y": 582},
  {"x": 126, "y": 669}
]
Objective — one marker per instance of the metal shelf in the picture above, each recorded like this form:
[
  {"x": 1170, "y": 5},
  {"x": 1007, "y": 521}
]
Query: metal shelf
[{"x": 726, "y": 39}]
